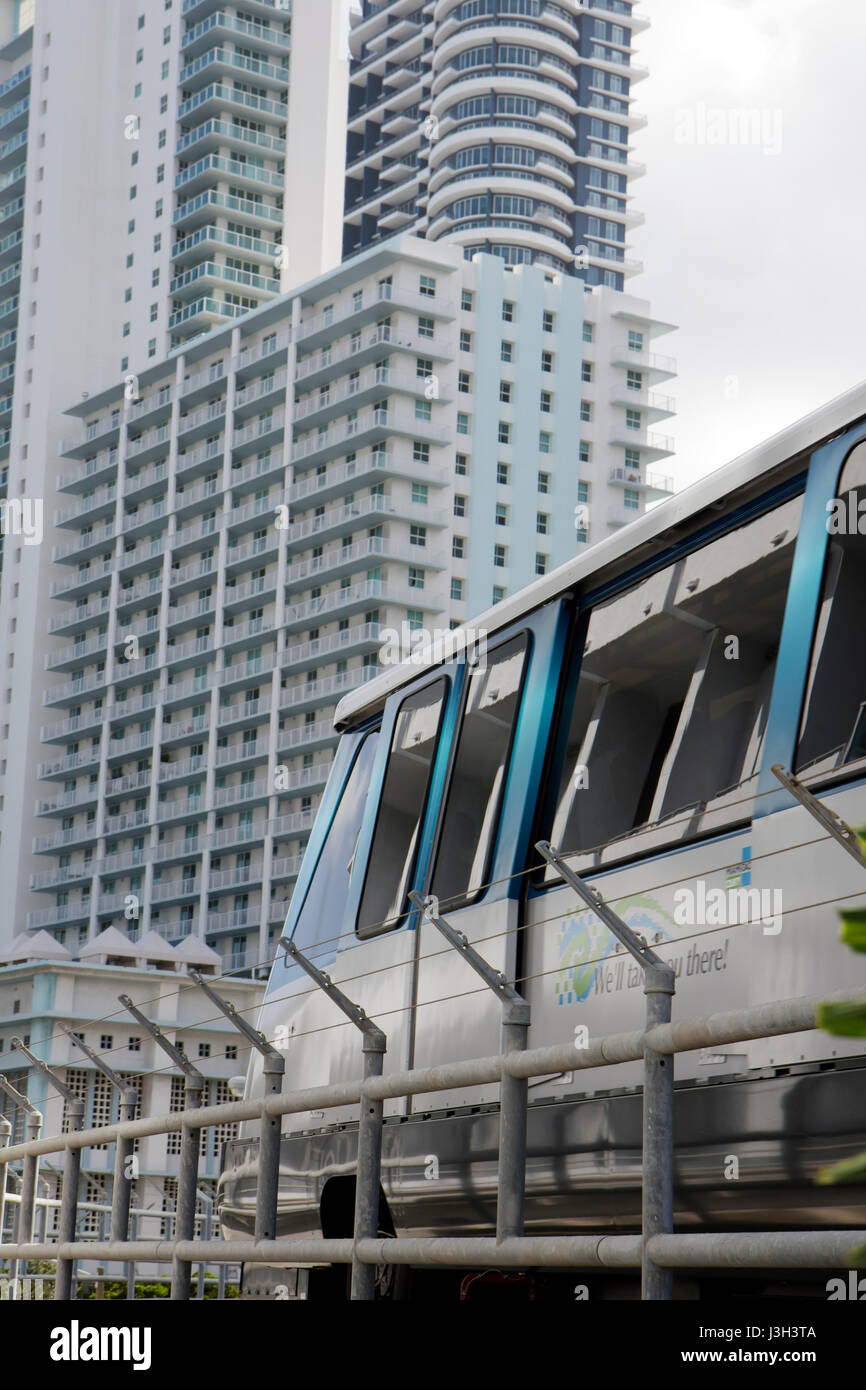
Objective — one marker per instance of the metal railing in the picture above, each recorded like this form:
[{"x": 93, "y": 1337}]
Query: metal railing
[{"x": 656, "y": 1251}]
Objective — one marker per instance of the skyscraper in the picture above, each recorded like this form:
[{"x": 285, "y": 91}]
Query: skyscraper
[
  {"x": 503, "y": 125},
  {"x": 258, "y": 486}
]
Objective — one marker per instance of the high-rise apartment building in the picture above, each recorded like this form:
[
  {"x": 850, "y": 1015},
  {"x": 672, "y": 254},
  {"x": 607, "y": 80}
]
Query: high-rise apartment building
[
  {"x": 143, "y": 162},
  {"x": 503, "y": 125},
  {"x": 391, "y": 448},
  {"x": 263, "y": 485}
]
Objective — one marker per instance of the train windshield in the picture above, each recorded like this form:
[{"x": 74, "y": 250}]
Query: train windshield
[
  {"x": 667, "y": 715},
  {"x": 480, "y": 768},
  {"x": 401, "y": 810},
  {"x": 321, "y": 917},
  {"x": 833, "y": 730}
]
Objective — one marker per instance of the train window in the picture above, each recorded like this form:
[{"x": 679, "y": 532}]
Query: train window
[
  {"x": 669, "y": 696},
  {"x": 404, "y": 796},
  {"x": 833, "y": 726},
  {"x": 321, "y": 916},
  {"x": 480, "y": 768}
]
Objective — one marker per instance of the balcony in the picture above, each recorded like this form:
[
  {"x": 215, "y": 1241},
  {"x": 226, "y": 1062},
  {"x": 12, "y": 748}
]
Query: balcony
[
  {"x": 204, "y": 314},
  {"x": 223, "y": 62},
  {"x": 216, "y": 134},
  {"x": 211, "y": 275},
  {"x": 246, "y": 712},
  {"x": 309, "y": 694},
  {"x": 209, "y": 237},
  {"x": 218, "y": 95},
  {"x": 651, "y": 485},
  {"x": 323, "y": 327}
]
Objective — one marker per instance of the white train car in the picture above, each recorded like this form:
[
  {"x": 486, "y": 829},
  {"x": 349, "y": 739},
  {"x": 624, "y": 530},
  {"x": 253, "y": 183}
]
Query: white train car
[{"x": 628, "y": 709}]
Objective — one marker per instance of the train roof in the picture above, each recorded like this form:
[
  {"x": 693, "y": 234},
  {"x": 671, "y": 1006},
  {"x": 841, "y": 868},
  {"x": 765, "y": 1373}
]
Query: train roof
[{"x": 646, "y": 535}]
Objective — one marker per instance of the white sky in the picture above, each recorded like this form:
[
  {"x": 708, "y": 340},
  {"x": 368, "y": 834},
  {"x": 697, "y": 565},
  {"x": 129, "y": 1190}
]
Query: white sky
[{"x": 759, "y": 258}]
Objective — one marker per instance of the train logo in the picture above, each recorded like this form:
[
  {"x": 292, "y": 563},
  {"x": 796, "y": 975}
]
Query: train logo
[{"x": 585, "y": 943}]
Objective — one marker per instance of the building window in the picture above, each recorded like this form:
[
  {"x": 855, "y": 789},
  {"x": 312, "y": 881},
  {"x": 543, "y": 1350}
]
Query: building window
[
  {"x": 634, "y": 380},
  {"x": 545, "y": 402},
  {"x": 127, "y": 295},
  {"x": 464, "y": 382},
  {"x": 459, "y": 505},
  {"x": 542, "y": 523},
  {"x": 462, "y": 423},
  {"x": 632, "y": 458},
  {"x": 632, "y": 419},
  {"x": 154, "y": 312},
  {"x": 467, "y": 301},
  {"x": 133, "y": 1044},
  {"x": 584, "y": 452},
  {"x": 498, "y": 593},
  {"x": 635, "y": 341},
  {"x": 501, "y": 514},
  {"x": 547, "y": 361},
  {"x": 423, "y": 367},
  {"x": 457, "y": 590},
  {"x": 427, "y": 286},
  {"x": 423, "y": 410},
  {"x": 540, "y": 563},
  {"x": 505, "y": 389},
  {"x": 425, "y": 328},
  {"x": 417, "y": 535},
  {"x": 458, "y": 547},
  {"x": 163, "y": 104},
  {"x": 544, "y": 482},
  {"x": 586, "y": 371},
  {"x": 420, "y": 493},
  {"x": 586, "y": 412},
  {"x": 414, "y": 619},
  {"x": 588, "y": 332},
  {"x": 506, "y": 351},
  {"x": 133, "y": 191},
  {"x": 504, "y": 435},
  {"x": 151, "y": 347},
  {"x": 507, "y": 311},
  {"x": 160, "y": 140},
  {"x": 461, "y": 465},
  {"x": 583, "y": 492},
  {"x": 548, "y": 319},
  {"x": 416, "y": 578},
  {"x": 631, "y": 499},
  {"x": 106, "y": 1041},
  {"x": 503, "y": 474},
  {"x": 157, "y": 242},
  {"x": 544, "y": 441},
  {"x": 420, "y": 451},
  {"x": 160, "y": 173},
  {"x": 157, "y": 208},
  {"x": 499, "y": 556}
]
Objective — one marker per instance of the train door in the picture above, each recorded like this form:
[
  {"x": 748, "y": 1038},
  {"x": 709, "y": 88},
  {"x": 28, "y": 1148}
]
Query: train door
[{"x": 483, "y": 824}]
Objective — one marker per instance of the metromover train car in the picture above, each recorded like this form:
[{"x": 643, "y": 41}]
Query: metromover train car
[{"x": 628, "y": 709}]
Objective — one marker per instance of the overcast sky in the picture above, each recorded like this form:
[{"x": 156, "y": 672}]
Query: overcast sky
[{"x": 759, "y": 257}]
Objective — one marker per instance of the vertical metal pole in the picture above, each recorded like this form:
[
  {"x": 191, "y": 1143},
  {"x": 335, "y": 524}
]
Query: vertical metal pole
[
  {"x": 658, "y": 1135},
  {"x": 369, "y": 1169},
  {"x": 121, "y": 1192},
  {"x": 269, "y": 1155},
  {"x": 130, "y": 1268},
  {"x": 187, "y": 1182},
  {"x": 64, "y": 1284},
  {"x": 513, "y": 1096},
  {"x": 221, "y": 1282},
  {"x": 5, "y": 1135},
  {"x": 29, "y": 1181},
  {"x": 29, "y": 1178}
]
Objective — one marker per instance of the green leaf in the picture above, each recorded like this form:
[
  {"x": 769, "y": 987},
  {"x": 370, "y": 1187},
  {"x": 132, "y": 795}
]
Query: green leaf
[
  {"x": 853, "y": 931},
  {"x": 849, "y": 1170},
  {"x": 847, "y": 1019}
]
